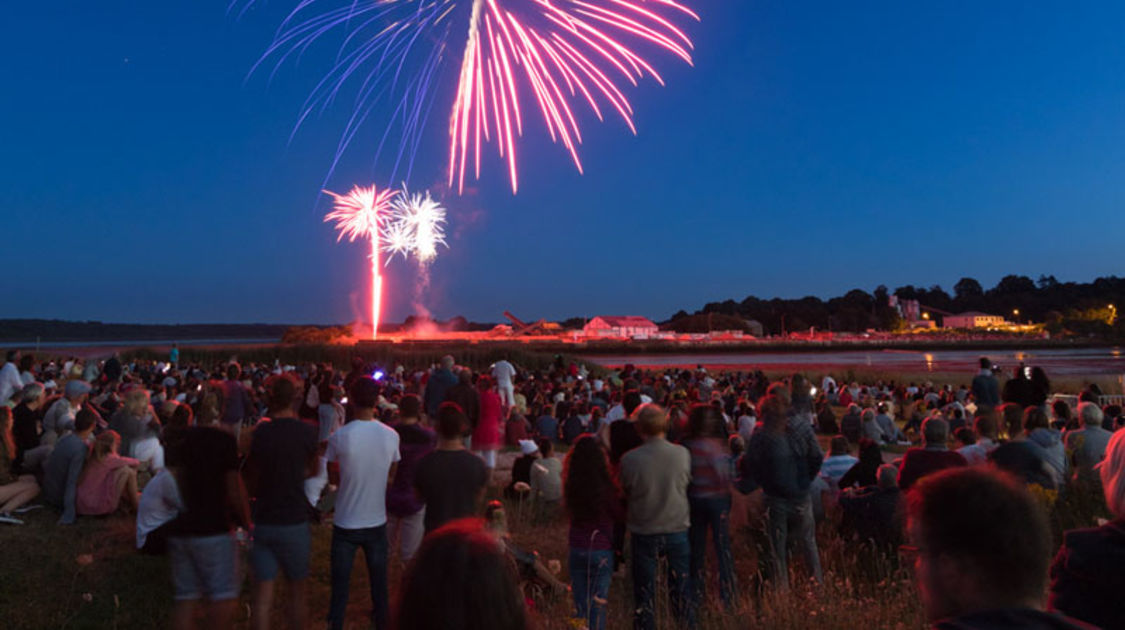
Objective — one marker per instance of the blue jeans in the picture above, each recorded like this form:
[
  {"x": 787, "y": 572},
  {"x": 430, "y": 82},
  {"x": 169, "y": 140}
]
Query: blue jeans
[
  {"x": 373, "y": 541},
  {"x": 647, "y": 551},
  {"x": 711, "y": 513},
  {"x": 590, "y": 573},
  {"x": 791, "y": 519},
  {"x": 285, "y": 547}
]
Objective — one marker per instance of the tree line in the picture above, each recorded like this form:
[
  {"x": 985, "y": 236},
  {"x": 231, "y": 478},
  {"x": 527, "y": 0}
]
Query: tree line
[{"x": 1079, "y": 308}]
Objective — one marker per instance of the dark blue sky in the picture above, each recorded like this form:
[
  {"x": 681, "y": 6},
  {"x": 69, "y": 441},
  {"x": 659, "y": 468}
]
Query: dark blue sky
[{"x": 815, "y": 147}]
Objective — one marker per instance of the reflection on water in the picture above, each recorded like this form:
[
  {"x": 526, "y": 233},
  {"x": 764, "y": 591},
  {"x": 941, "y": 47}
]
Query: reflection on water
[{"x": 1055, "y": 361}]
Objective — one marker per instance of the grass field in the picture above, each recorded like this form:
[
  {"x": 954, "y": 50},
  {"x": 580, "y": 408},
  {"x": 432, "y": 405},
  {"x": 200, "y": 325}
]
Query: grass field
[{"x": 89, "y": 576}]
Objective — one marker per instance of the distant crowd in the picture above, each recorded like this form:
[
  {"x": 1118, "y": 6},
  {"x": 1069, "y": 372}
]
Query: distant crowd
[{"x": 232, "y": 463}]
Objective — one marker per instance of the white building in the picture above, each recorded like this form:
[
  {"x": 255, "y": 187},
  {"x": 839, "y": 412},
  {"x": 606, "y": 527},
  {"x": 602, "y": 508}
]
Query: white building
[
  {"x": 973, "y": 319},
  {"x": 626, "y": 327}
]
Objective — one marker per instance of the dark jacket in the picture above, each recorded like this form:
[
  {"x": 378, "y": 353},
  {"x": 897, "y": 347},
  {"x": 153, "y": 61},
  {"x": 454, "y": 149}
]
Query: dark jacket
[
  {"x": 468, "y": 399},
  {"x": 1011, "y": 619},
  {"x": 436, "y": 388},
  {"x": 781, "y": 463},
  {"x": 986, "y": 390},
  {"x": 873, "y": 514},
  {"x": 1087, "y": 580},
  {"x": 851, "y": 425}
]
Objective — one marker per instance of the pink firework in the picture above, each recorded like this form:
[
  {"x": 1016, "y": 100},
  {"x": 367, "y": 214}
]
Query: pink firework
[
  {"x": 363, "y": 213},
  {"x": 553, "y": 56},
  {"x": 566, "y": 51}
]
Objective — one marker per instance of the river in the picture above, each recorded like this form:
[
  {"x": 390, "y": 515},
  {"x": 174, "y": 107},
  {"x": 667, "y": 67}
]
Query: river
[{"x": 1056, "y": 362}]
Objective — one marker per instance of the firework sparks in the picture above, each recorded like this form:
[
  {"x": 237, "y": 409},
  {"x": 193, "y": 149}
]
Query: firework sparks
[
  {"x": 557, "y": 56},
  {"x": 419, "y": 224},
  {"x": 363, "y": 213}
]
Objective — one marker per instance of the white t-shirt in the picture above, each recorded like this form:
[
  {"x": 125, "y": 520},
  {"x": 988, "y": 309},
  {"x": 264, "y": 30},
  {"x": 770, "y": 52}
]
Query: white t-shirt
[
  {"x": 503, "y": 372},
  {"x": 365, "y": 450},
  {"x": 616, "y": 412},
  {"x": 160, "y": 502}
]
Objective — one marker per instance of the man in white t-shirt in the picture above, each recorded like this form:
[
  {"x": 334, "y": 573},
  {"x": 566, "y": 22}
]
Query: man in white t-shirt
[
  {"x": 504, "y": 372},
  {"x": 366, "y": 452}
]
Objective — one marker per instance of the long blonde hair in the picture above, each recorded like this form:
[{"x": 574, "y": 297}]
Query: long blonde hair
[{"x": 136, "y": 402}]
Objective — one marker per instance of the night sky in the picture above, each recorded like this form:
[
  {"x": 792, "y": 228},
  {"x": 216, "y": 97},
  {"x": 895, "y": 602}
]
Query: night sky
[{"x": 815, "y": 147}]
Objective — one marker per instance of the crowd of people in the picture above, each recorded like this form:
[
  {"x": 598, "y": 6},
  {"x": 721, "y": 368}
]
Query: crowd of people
[{"x": 229, "y": 463}]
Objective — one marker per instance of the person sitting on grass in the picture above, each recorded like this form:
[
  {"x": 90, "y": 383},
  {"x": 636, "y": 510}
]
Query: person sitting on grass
[
  {"x": 535, "y": 577},
  {"x": 931, "y": 457},
  {"x": 1086, "y": 576},
  {"x": 64, "y": 465},
  {"x": 546, "y": 482},
  {"x": 157, "y": 509},
  {"x": 461, "y": 578},
  {"x": 519, "y": 486},
  {"x": 108, "y": 480},
  {"x": 976, "y": 569},
  {"x": 874, "y": 514},
  {"x": 15, "y": 491},
  {"x": 838, "y": 462}
]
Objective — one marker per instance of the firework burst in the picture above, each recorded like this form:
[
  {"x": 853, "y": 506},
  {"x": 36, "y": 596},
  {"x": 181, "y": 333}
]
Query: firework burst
[
  {"x": 364, "y": 213},
  {"x": 419, "y": 223},
  {"x": 557, "y": 56}
]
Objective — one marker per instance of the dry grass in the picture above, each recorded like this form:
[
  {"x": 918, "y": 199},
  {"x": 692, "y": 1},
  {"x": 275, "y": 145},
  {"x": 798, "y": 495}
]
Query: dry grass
[{"x": 43, "y": 584}]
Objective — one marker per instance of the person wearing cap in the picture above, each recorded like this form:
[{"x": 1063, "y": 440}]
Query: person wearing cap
[
  {"x": 521, "y": 468},
  {"x": 59, "y": 418}
]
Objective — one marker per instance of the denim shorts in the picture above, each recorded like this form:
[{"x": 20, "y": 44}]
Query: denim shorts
[
  {"x": 281, "y": 546},
  {"x": 205, "y": 566}
]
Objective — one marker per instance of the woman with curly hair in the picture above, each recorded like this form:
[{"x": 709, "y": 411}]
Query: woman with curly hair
[{"x": 593, "y": 502}]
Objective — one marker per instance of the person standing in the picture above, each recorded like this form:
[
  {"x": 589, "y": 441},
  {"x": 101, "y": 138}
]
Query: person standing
[
  {"x": 710, "y": 501},
  {"x": 486, "y": 435},
  {"x": 64, "y": 465},
  {"x": 450, "y": 480},
  {"x": 237, "y": 407},
  {"x": 781, "y": 461},
  {"x": 468, "y": 399},
  {"x": 505, "y": 374},
  {"x": 367, "y": 454},
  {"x": 655, "y": 478},
  {"x": 406, "y": 512},
  {"x": 441, "y": 379},
  {"x": 986, "y": 389},
  {"x": 174, "y": 356},
  {"x": 283, "y": 453},
  {"x": 202, "y": 546},
  {"x": 593, "y": 502}
]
